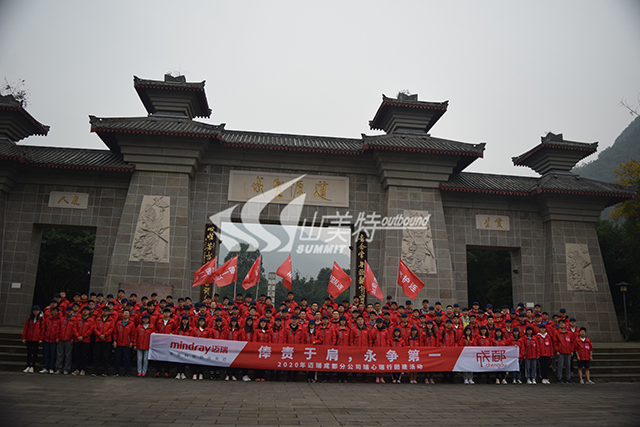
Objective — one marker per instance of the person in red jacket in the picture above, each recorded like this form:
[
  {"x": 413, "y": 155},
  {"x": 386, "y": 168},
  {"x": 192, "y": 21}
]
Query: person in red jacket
[
  {"x": 584, "y": 353},
  {"x": 564, "y": 346},
  {"x": 103, "y": 331},
  {"x": 468, "y": 341},
  {"x": 531, "y": 354},
  {"x": 246, "y": 334},
  {"x": 500, "y": 340},
  {"x": 234, "y": 333},
  {"x": 49, "y": 337},
  {"x": 449, "y": 338},
  {"x": 360, "y": 338},
  {"x": 143, "y": 336},
  {"x": 82, "y": 340},
  {"x": 65, "y": 344},
  {"x": 200, "y": 331},
  {"x": 396, "y": 341},
  {"x": 308, "y": 336},
  {"x": 343, "y": 338},
  {"x": 545, "y": 348},
  {"x": 378, "y": 338},
  {"x": 123, "y": 339},
  {"x": 183, "y": 329},
  {"x": 32, "y": 334},
  {"x": 414, "y": 340},
  {"x": 263, "y": 335}
]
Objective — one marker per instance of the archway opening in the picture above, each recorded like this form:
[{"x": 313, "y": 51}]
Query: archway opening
[{"x": 489, "y": 278}]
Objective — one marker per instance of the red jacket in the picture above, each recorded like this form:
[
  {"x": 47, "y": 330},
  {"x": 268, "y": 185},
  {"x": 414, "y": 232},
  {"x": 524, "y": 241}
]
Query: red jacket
[
  {"x": 279, "y": 335},
  {"x": 583, "y": 349},
  {"x": 83, "y": 328},
  {"x": 234, "y": 334},
  {"x": 545, "y": 345},
  {"x": 66, "y": 327},
  {"x": 196, "y": 332},
  {"x": 325, "y": 335},
  {"x": 417, "y": 341},
  {"x": 360, "y": 337},
  {"x": 530, "y": 347},
  {"x": 263, "y": 336},
  {"x": 183, "y": 332},
  {"x": 103, "y": 327},
  {"x": 564, "y": 341},
  {"x": 124, "y": 335},
  {"x": 378, "y": 338},
  {"x": 397, "y": 342},
  {"x": 343, "y": 336},
  {"x": 480, "y": 341},
  {"x": 51, "y": 325},
  {"x": 218, "y": 334},
  {"x": 291, "y": 335},
  {"x": 305, "y": 336},
  {"x": 449, "y": 338},
  {"x": 431, "y": 341},
  {"x": 143, "y": 336},
  {"x": 33, "y": 331},
  {"x": 162, "y": 328}
]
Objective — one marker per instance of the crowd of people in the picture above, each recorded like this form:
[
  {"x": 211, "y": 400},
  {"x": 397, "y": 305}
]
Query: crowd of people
[{"x": 109, "y": 333}]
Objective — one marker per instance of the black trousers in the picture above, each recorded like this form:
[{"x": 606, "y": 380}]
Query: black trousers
[
  {"x": 32, "y": 353},
  {"x": 81, "y": 350},
  {"x": 545, "y": 363},
  {"x": 123, "y": 354},
  {"x": 102, "y": 356}
]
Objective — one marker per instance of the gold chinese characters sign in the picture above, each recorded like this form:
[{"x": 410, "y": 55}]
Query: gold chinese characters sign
[
  {"x": 320, "y": 190},
  {"x": 492, "y": 222},
  {"x": 66, "y": 200},
  {"x": 361, "y": 257}
]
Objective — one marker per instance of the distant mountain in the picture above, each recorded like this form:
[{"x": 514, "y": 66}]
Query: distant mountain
[{"x": 626, "y": 147}]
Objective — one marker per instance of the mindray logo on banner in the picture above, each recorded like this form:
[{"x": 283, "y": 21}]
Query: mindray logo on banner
[{"x": 206, "y": 349}]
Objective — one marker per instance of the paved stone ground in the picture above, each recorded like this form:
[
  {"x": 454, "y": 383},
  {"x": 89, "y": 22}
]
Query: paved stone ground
[{"x": 38, "y": 400}]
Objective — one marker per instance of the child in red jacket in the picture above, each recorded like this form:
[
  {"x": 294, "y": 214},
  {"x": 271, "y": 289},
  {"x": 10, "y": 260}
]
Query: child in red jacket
[
  {"x": 50, "y": 336},
  {"x": 531, "y": 354},
  {"x": 32, "y": 334},
  {"x": 123, "y": 339},
  {"x": 396, "y": 341},
  {"x": 143, "y": 336},
  {"x": 584, "y": 353}
]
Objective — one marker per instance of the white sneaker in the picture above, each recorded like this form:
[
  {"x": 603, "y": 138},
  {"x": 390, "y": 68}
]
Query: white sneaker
[
  {"x": 246, "y": 378},
  {"x": 26, "y": 370},
  {"x": 497, "y": 381},
  {"x": 178, "y": 377},
  {"x": 76, "y": 372},
  {"x": 183, "y": 377},
  {"x": 226, "y": 378},
  {"x": 233, "y": 378},
  {"x": 51, "y": 371},
  {"x": 195, "y": 377},
  {"x": 43, "y": 371},
  {"x": 519, "y": 382},
  {"x": 471, "y": 382},
  {"x": 528, "y": 381},
  {"x": 200, "y": 376},
  {"x": 533, "y": 381},
  {"x": 589, "y": 382},
  {"x": 466, "y": 381},
  {"x": 82, "y": 372},
  {"x": 504, "y": 381},
  {"x": 514, "y": 381},
  {"x": 581, "y": 381}
]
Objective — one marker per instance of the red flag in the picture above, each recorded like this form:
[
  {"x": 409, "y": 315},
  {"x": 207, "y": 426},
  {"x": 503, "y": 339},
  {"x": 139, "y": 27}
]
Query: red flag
[
  {"x": 204, "y": 274},
  {"x": 253, "y": 276},
  {"x": 227, "y": 273},
  {"x": 284, "y": 271},
  {"x": 338, "y": 282},
  {"x": 371, "y": 283},
  {"x": 410, "y": 283}
]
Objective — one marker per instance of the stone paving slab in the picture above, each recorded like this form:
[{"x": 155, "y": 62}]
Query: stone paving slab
[{"x": 48, "y": 400}]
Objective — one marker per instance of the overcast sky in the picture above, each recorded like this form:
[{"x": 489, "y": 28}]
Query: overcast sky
[{"x": 512, "y": 71}]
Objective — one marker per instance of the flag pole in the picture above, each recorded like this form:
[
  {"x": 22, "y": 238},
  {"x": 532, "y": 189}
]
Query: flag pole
[
  {"x": 234, "y": 289},
  {"x": 397, "y": 285}
]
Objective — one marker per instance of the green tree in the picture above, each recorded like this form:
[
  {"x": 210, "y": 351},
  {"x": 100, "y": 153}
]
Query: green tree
[
  {"x": 489, "y": 277},
  {"x": 66, "y": 256}
]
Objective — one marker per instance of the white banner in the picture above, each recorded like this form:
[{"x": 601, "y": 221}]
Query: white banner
[
  {"x": 201, "y": 351},
  {"x": 487, "y": 359}
]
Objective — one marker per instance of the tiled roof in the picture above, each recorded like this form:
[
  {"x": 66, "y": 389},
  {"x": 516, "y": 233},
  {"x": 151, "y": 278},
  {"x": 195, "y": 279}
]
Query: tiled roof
[
  {"x": 172, "y": 84},
  {"x": 407, "y": 102},
  {"x": 8, "y": 103},
  {"x": 421, "y": 143},
  {"x": 155, "y": 126},
  {"x": 291, "y": 142},
  {"x": 527, "y": 186},
  {"x": 64, "y": 158},
  {"x": 158, "y": 84},
  {"x": 559, "y": 144}
]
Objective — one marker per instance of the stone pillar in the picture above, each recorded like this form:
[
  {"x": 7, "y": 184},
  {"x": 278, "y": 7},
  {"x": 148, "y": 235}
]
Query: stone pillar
[{"x": 172, "y": 271}]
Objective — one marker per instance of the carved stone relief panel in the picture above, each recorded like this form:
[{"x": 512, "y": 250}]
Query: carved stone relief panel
[
  {"x": 580, "y": 276},
  {"x": 151, "y": 238},
  {"x": 417, "y": 244}
]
